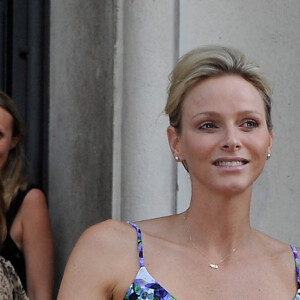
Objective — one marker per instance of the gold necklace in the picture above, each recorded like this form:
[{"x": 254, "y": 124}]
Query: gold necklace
[{"x": 211, "y": 265}]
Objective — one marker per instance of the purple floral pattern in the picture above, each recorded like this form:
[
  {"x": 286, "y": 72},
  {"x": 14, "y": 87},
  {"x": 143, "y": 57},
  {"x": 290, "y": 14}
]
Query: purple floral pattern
[
  {"x": 144, "y": 285},
  {"x": 297, "y": 270}
]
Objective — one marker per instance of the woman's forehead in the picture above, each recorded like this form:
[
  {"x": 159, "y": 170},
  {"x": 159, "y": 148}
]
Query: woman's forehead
[{"x": 217, "y": 93}]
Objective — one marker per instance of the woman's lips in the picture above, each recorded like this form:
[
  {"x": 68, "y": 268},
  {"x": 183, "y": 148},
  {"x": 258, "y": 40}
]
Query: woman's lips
[{"x": 230, "y": 162}]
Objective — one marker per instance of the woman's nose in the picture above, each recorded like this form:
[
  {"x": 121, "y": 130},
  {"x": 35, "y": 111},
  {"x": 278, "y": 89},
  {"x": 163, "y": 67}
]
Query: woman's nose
[{"x": 231, "y": 141}]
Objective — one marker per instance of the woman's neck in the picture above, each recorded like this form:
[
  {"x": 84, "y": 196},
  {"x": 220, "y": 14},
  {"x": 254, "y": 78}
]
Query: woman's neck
[{"x": 217, "y": 223}]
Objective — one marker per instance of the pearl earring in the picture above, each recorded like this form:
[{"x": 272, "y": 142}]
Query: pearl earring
[
  {"x": 176, "y": 158},
  {"x": 268, "y": 156}
]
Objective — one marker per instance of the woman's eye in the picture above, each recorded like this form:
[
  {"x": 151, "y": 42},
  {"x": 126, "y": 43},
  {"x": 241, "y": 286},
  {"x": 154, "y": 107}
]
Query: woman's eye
[
  {"x": 250, "y": 124},
  {"x": 207, "y": 125}
]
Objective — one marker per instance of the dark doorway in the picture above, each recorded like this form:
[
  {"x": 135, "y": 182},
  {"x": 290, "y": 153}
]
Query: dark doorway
[{"x": 24, "y": 69}]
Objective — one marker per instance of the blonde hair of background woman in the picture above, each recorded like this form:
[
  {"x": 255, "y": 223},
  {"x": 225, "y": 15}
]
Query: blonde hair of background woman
[{"x": 13, "y": 171}]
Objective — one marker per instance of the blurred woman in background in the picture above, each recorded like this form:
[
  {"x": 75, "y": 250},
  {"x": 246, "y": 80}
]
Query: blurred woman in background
[
  {"x": 28, "y": 244},
  {"x": 10, "y": 284}
]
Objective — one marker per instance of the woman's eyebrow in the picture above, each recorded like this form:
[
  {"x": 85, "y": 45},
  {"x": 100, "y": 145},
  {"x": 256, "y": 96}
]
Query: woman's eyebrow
[{"x": 216, "y": 114}]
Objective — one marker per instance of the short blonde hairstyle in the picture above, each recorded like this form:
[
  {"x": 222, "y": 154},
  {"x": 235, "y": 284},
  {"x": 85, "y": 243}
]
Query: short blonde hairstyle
[{"x": 210, "y": 61}]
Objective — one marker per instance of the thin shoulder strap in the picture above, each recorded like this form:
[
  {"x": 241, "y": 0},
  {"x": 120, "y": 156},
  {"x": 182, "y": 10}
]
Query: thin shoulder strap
[
  {"x": 139, "y": 242},
  {"x": 297, "y": 264},
  {"x": 16, "y": 204}
]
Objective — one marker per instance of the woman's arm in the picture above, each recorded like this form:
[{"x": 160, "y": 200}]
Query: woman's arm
[{"x": 37, "y": 245}]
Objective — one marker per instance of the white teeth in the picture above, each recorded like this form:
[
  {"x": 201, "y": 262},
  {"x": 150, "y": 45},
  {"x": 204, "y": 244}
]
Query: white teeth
[{"x": 229, "y": 163}]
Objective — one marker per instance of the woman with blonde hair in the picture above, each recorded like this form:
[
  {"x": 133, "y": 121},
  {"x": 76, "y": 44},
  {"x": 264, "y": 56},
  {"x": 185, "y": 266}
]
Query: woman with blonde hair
[
  {"x": 28, "y": 244},
  {"x": 219, "y": 108}
]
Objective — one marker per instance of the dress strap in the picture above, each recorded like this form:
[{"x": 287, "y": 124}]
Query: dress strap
[
  {"x": 297, "y": 264},
  {"x": 16, "y": 204},
  {"x": 139, "y": 242}
]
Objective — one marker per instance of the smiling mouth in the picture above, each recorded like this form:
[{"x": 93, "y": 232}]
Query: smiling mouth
[{"x": 230, "y": 163}]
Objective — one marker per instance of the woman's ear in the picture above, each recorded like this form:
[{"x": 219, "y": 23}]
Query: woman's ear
[
  {"x": 14, "y": 141},
  {"x": 174, "y": 142},
  {"x": 270, "y": 142}
]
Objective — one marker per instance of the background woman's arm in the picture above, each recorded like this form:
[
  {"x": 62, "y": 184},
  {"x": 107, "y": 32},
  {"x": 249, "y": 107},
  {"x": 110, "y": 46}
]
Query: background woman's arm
[{"x": 37, "y": 246}]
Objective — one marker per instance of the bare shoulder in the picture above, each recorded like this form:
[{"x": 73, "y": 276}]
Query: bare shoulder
[
  {"x": 102, "y": 255},
  {"x": 35, "y": 193},
  {"x": 34, "y": 208},
  {"x": 276, "y": 248},
  {"x": 35, "y": 198},
  {"x": 104, "y": 241},
  {"x": 272, "y": 242},
  {"x": 108, "y": 229},
  {"x": 162, "y": 227},
  {"x": 107, "y": 233}
]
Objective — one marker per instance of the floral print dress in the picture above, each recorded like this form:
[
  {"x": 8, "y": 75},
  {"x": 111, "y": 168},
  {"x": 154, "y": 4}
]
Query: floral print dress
[
  {"x": 297, "y": 270},
  {"x": 10, "y": 284},
  {"x": 145, "y": 286}
]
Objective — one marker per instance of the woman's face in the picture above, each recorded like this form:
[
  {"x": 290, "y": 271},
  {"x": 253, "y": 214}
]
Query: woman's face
[
  {"x": 224, "y": 138},
  {"x": 7, "y": 142}
]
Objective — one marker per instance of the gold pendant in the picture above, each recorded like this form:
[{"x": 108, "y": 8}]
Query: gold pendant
[{"x": 213, "y": 266}]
